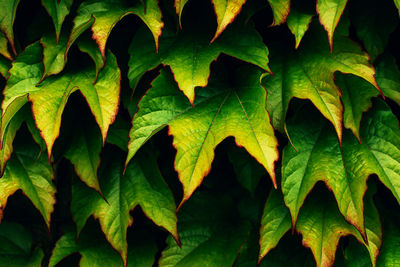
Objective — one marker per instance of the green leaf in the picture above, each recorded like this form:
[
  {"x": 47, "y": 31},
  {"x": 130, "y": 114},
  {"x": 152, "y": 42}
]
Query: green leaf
[
  {"x": 89, "y": 47},
  {"x": 4, "y": 47},
  {"x": 29, "y": 171},
  {"x": 274, "y": 224},
  {"x": 281, "y": 9},
  {"x": 371, "y": 28},
  {"x": 7, "y": 15},
  {"x": 58, "y": 10},
  {"x": 15, "y": 247},
  {"x": 296, "y": 75},
  {"x": 221, "y": 111},
  {"x": 356, "y": 98},
  {"x": 397, "y": 3},
  {"x": 226, "y": 11},
  {"x": 344, "y": 169},
  {"x": 54, "y": 54},
  {"x": 209, "y": 234},
  {"x": 321, "y": 226},
  {"x": 179, "y": 5},
  {"x": 388, "y": 78},
  {"x": 92, "y": 246},
  {"x": 5, "y": 65},
  {"x": 107, "y": 13},
  {"x": 390, "y": 249},
  {"x": 141, "y": 185},
  {"x": 84, "y": 153},
  {"x": 190, "y": 54},
  {"x": 11, "y": 131},
  {"x": 330, "y": 12},
  {"x": 248, "y": 171},
  {"x": 298, "y": 22},
  {"x": 119, "y": 133}
]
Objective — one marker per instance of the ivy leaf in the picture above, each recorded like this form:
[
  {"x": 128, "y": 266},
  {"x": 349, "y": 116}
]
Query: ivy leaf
[
  {"x": 5, "y": 65},
  {"x": 388, "y": 78},
  {"x": 84, "y": 153},
  {"x": 89, "y": 47},
  {"x": 7, "y": 15},
  {"x": 190, "y": 54},
  {"x": 374, "y": 31},
  {"x": 107, "y": 13},
  {"x": 226, "y": 11},
  {"x": 221, "y": 111},
  {"x": 208, "y": 233},
  {"x": 390, "y": 249},
  {"x": 179, "y": 5},
  {"x": 25, "y": 73},
  {"x": 319, "y": 157},
  {"x": 321, "y": 226},
  {"x": 15, "y": 247},
  {"x": 29, "y": 171},
  {"x": 330, "y": 12},
  {"x": 356, "y": 98},
  {"x": 397, "y": 3},
  {"x": 54, "y": 54},
  {"x": 58, "y": 10},
  {"x": 11, "y": 131},
  {"x": 4, "y": 47},
  {"x": 141, "y": 185},
  {"x": 295, "y": 75},
  {"x": 298, "y": 21},
  {"x": 248, "y": 171},
  {"x": 281, "y": 9},
  {"x": 274, "y": 224},
  {"x": 50, "y": 97}
]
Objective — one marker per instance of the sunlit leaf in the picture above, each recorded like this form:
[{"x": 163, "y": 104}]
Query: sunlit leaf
[{"x": 58, "y": 10}]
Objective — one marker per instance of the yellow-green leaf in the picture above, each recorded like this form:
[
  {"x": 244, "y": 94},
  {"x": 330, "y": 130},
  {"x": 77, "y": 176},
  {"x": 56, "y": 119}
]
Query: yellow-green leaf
[{"x": 7, "y": 16}]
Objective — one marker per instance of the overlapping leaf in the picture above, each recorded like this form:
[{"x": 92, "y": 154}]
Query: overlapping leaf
[
  {"x": 50, "y": 97},
  {"x": 190, "y": 54},
  {"x": 141, "y": 184},
  {"x": 58, "y": 10},
  {"x": 319, "y": 156},
  {"x": 107, "y": 13},
  {"x": 298, "y": 20},
  {"x": 388, "y": 78},
  {"x": 321, "y": 226},
  {"x": 29, "y": 171},
  {"x": 16, "y": 247},
  {"x": 7, "y": 17},
  {"x": 219, "y": 112},
  {"x": 309, "y": 74}
]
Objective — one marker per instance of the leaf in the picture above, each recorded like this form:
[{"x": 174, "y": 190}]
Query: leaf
[
  {"x": 226, "y": 11},
  {"x": 4, "y": 47},
  {"x": 141, "y": 185},
  {"x": 7, "y": 15},
  {"x": 397, "y": 3},
  {"x": 25, "y": 73},
  {"x": 221, "y": 111},
  {"x": 107, "y": 13},
  {"x": 54, "y": 54},
  {"x": 5, "y": 65},
  {"x": 84, "y": 153},
  {"x": 298, "y": 22},
  {"x": 274, "y": 224},
  {"x": 119, "y": 133},
  {"x": 374, "y": 31},
  {"x": 29, "y": 171},
  {"x": 344, "y": 169},
  {"x": 179, "y": 5},
  {"x": 58, "y": 10},
  {"x": 390, "y": 250},
  {"x": 321, "y": 226},
  {"x": 50, "y": 97},
  {"x": 7, "y": 148},
  {"x": 15, "y": 247},
  {"x": 296, "y": 75},
  {"x": 91, "y": 245},
  {"x": 330, "y": 12},
  {"x": 89, "y": 47},
  {"x": 209, "y": 234},
  {"x": 356, "y": 98},
  {"x": 388, "y": 78},
  {"x": 281, "y": 9},
  {"x": 248, "y": 171},
  {"x": 190, "y": 54}
]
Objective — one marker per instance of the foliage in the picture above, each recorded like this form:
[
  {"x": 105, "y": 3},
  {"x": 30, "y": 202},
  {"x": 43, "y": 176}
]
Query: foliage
[{"x": 309, "y": 92}]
